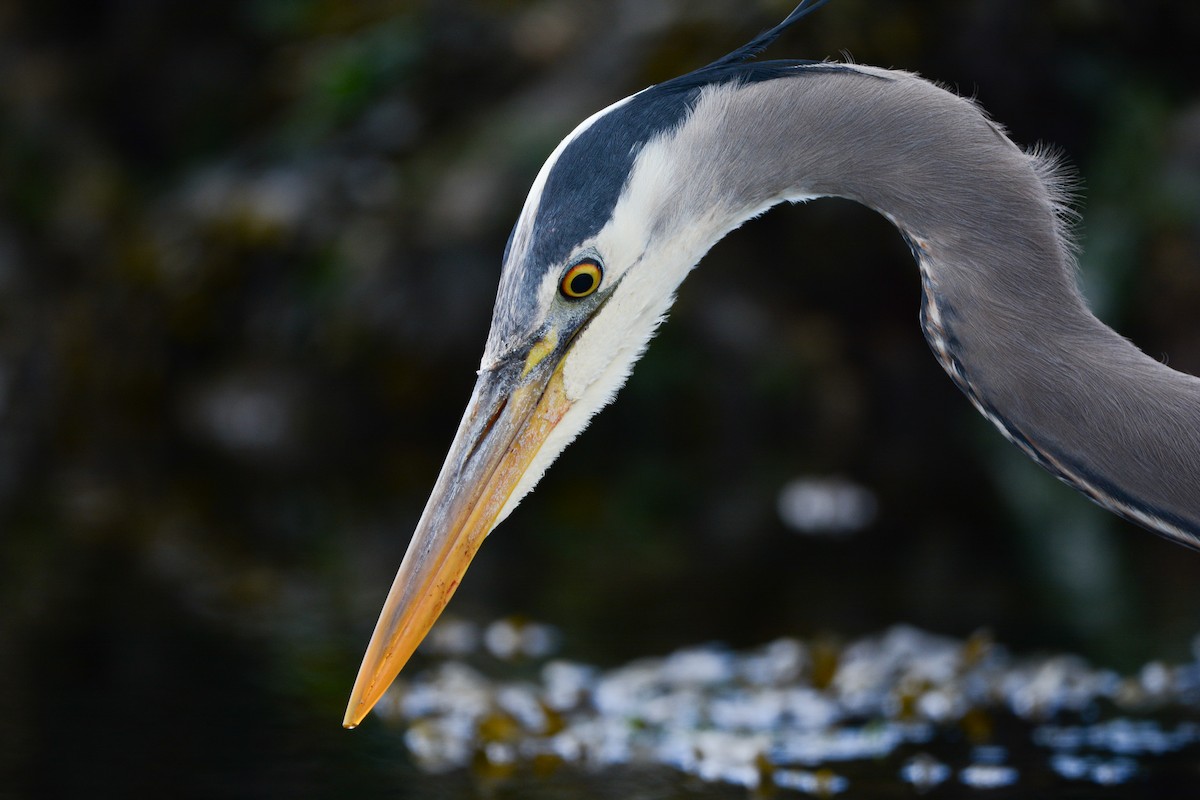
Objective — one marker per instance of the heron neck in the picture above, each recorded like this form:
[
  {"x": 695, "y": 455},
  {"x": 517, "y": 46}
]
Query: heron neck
[{"x": 1001, "y": 307}]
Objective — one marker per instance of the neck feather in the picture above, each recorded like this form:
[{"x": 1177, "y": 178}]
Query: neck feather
[{"x": 1001, "y": 307}]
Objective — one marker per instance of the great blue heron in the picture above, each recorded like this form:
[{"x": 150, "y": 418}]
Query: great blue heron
[{"x": 632, "y": 199}]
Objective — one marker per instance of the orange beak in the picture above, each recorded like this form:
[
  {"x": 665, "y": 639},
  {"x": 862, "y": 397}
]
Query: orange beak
[{"x": 513, "y": 409}]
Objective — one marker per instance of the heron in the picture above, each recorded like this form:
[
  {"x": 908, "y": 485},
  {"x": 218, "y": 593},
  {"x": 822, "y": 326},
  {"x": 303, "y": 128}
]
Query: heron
[{"x": 632, "y": 199}]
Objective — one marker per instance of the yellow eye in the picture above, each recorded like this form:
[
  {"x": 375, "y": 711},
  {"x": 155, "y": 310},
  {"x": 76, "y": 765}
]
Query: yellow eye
[{"x": 581, "y": 280}]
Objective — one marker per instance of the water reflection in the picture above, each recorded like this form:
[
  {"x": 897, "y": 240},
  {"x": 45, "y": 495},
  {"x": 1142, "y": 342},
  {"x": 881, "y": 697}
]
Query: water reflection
[{"x": 905, "y": 707}]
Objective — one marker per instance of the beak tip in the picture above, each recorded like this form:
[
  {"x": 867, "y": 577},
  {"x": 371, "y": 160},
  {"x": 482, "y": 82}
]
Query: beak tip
[{"x": 353, "y": 716}]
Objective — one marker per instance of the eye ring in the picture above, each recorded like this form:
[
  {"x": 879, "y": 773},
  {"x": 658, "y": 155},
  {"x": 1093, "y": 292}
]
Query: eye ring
[{"x": 581, "y": 280}]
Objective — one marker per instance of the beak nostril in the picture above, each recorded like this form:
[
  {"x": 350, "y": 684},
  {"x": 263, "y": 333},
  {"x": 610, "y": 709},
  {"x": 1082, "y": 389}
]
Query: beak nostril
[
  {"x": 491, "y": 423},
  {"x": 487, "y": 428}
]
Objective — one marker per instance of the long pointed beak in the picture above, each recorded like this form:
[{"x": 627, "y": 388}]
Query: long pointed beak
[{"x": 512, "y": 410}]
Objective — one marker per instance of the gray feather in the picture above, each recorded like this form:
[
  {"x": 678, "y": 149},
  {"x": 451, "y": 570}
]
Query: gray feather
[{"x": 1004, "y": 313}]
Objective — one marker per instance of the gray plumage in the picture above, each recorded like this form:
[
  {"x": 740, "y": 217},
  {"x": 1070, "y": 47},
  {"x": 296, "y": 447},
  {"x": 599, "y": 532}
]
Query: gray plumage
[{"x": 1002, "y": 309}]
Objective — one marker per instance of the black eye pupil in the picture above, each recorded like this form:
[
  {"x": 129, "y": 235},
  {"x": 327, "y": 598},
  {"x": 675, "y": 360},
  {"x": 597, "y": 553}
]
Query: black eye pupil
[{"x": 581, "y": 283}]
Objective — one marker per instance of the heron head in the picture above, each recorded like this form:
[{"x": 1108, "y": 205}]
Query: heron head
[
  {"x": 590, "y": 269},
  {"x": 616, "y": 218}
]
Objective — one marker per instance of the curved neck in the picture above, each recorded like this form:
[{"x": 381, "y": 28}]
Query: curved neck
[{"x": 1001, "y": 308}]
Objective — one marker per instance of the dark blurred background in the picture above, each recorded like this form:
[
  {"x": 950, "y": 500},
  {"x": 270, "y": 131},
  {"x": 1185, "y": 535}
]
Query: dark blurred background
[{"x": 248, "y": 251}]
